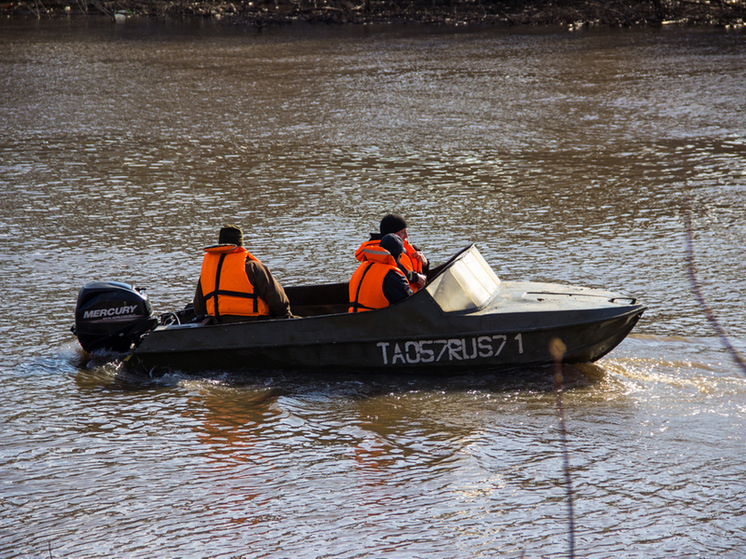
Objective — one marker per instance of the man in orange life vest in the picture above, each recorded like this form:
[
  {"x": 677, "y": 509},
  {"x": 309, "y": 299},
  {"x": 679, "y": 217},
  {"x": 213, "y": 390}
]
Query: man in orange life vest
[
  {"x": 412, "y": 262},
  {"x": 379, "y": 281},
  {"x": 235, "y": 286}
]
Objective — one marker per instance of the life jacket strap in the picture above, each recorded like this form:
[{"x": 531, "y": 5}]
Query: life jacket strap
[{"x": 355, "y": 306}]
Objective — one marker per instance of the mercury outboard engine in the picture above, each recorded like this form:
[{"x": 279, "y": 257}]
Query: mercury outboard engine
[{"x": 112, "y": 315}]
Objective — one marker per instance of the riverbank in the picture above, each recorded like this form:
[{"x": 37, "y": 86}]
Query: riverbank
[{"x": 259, "y": 13}]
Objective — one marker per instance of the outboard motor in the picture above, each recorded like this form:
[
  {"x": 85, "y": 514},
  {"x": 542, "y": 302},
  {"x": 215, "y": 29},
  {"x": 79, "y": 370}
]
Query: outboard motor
[{"x": 112, "y": 315}]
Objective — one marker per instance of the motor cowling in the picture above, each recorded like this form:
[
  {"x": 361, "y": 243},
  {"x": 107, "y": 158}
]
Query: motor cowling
[{"x": 112, "y": 315}]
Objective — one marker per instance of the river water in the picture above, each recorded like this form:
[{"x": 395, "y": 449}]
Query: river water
[{"x": 568, "y": 157}]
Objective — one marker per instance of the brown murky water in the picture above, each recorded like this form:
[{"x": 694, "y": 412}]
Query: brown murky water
[{"x": 565, "y": 156}]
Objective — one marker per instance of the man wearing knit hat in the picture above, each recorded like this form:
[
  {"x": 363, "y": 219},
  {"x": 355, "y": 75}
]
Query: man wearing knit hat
[
  {"x": 235, "y": 286},
  {"x": 412, "y": 262}
]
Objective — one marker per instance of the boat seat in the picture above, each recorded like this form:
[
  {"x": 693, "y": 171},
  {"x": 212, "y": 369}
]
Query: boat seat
[{"x": 317, "y": 300}]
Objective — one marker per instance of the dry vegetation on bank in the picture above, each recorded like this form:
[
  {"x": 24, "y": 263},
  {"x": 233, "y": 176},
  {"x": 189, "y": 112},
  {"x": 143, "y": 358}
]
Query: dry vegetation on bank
[{"x": 576, "y": 13}]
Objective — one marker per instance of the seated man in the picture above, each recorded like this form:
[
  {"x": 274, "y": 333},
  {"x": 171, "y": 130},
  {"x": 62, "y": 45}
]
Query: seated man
[
  {"x": 412, "y": 261},
  {"x": 235, "y": 286},
  {"x": 379, "y": 281}
]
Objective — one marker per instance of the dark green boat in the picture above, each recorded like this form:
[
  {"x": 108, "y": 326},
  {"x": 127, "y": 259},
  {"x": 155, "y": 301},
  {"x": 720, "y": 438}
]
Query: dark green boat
[{"x": 465, "y": 319}]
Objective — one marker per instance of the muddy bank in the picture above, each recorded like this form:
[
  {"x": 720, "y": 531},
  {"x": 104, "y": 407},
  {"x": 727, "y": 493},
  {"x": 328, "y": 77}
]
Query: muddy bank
[{"x": 574, "y": 14}]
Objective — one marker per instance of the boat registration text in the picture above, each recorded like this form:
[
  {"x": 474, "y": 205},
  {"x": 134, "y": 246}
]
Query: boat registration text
[{"x": 452, "y": 349}]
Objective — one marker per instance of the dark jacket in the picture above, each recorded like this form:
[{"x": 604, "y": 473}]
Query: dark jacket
[{"x": 395, "y": 287}]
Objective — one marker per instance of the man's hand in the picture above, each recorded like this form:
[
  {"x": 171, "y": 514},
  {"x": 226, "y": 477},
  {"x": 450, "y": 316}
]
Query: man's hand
[{"x": 421, "y": 257}]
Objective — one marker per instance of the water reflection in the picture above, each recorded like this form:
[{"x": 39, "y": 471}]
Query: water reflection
[{"x": 233, "y": 426}]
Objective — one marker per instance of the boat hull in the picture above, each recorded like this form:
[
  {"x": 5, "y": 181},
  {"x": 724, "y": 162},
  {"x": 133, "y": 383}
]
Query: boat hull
[{"x": 381, "y": 341}]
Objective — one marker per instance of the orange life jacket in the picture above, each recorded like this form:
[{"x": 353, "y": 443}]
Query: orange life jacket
[
  {"x": 407, "y": 258},
  {"x": 366, "y": 284},
  {"x": 225, "y": 285}
]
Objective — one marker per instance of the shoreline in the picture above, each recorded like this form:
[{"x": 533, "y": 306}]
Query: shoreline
[{"x": 730, "y": 14}]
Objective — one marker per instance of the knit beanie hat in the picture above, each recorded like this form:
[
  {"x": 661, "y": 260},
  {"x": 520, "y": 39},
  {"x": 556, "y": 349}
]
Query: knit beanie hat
[
  {"x": 393, "y": 244},
  {"x": 231, "y": 235},
  {"x": 391, "y": 223}
]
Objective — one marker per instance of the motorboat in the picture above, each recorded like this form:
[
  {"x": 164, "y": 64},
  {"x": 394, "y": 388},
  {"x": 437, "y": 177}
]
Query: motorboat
[{"x": 465, "y": 319}]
